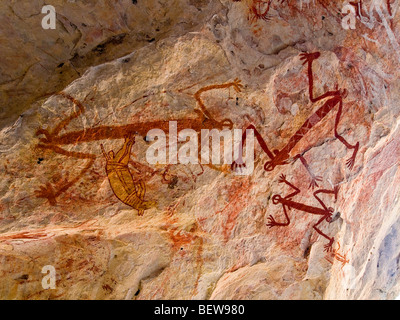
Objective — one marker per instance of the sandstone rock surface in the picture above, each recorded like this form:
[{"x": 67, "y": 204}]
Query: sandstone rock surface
[{"x": 114, "y": 67}]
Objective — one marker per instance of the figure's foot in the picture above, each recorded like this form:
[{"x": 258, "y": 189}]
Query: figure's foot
[
  {"x": 282, "y": 178},
  {"x": 314, "y": 180},
  {"x": 146, "y": 205},
  {"x": 336, "y": 191},
  {"x": 328, "y": 247},
  {"x": 309, "y": 57},
  {"x": 273, "y": 223},
  {"x": 351, "y": 160},
  {"x": 48, "y": 137},
  {"x": 47, "y": 192},
  {"x": 238, "y": 165},
  {"x": 129, "y": 138},
  {"x": 350, "y": 163},
  {"x": 237, "y": 85}
]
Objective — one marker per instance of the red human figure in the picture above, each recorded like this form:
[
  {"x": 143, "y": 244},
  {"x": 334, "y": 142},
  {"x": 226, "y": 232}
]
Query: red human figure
[
  {"x": 256, "y": 11},
  {"x": 288, "y": 203},
  {"x": 335, "y": 255},
  {"x": 259, "y": 10},
  {"x": 282, "y": 157}
]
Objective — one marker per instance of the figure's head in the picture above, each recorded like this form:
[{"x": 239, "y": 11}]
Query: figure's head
[
  {"x": 280, "y": 158},
  {"x": 269, "y": 166},
  {"x": 111, "y": 155},
  {"x": 276, "y": 199}
]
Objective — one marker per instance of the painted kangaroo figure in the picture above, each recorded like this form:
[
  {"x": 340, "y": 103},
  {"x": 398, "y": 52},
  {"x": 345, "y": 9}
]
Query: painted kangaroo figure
[
  {"x": 282, "y": 157},
  {"x": 288, "y": 203}
]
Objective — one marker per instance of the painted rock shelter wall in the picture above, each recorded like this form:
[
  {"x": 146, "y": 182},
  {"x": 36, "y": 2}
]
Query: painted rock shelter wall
[{"x": 200, "y": 149}]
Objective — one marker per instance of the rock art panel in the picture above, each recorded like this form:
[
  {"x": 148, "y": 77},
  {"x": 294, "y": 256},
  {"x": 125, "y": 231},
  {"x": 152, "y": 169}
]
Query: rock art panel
[{"x": 289, "y": 77}]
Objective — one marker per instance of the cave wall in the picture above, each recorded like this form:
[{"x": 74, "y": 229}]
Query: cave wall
[{"x": 112, "y": 68}]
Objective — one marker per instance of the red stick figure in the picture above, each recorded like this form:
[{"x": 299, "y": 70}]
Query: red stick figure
[
  {"x": 335, "y": 255},
  {"x": 259, "y": 10},
  {"x": 288, "y": 203},
  {"x": 282, "y": 157}
]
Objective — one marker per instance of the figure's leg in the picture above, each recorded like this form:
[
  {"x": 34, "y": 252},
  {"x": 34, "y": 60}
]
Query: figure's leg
[
  {"x": 49, "y": 192},
  {"x": 124, "y": 154},
  {"x": 314, "y": 178},
  {"x": 239, "y": 161},
  {"x": 62, "y": 124},
  {"x": 328, "y": 247},
  {"x": 66, "y": 121},
  {"x": 309, "y": 58},
  {"x": 276, "y": 199},
  {"x": 351, "y": 160},
  {"x": 334, "y": 191},
  {"x": 236, "y": 84},
  {"x": 272, "y": 222},
  {"x": 389, "y": 8},
  {"x": 282, "y": 179}
]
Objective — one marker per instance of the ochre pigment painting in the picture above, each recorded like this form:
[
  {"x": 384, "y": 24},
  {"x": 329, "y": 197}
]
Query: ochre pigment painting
[{"x": 219, "y": 150}]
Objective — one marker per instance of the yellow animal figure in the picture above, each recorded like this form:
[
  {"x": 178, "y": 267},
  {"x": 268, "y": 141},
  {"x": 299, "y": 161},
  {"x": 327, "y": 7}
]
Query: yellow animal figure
[{"x": 125, "y": 188}]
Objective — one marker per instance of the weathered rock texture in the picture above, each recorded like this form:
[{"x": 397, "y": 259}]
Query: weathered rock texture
[{"x": 207, "y": 236}]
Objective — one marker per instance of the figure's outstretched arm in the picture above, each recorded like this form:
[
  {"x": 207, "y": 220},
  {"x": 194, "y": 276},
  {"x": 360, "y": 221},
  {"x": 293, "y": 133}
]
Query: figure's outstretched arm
[
  {"x": 309, "y": 58},
  {"x": 239, "y": 161},
  {"x": 124, "y": 154},
  {"x": 351, "y": 160},
  {"x": 236, "y": 84},
  {"x": 334, "y": 192},
  {"x": 62, "y": 124},
  {"x": 75, "y": 114},
  {"x": 51, "y": 193},
  {"x": 273, "y": 223},
  {"x": 328, "y": 247},
  {"x": 314, "y": 179},
  {"x": 282, "y": 179}
]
